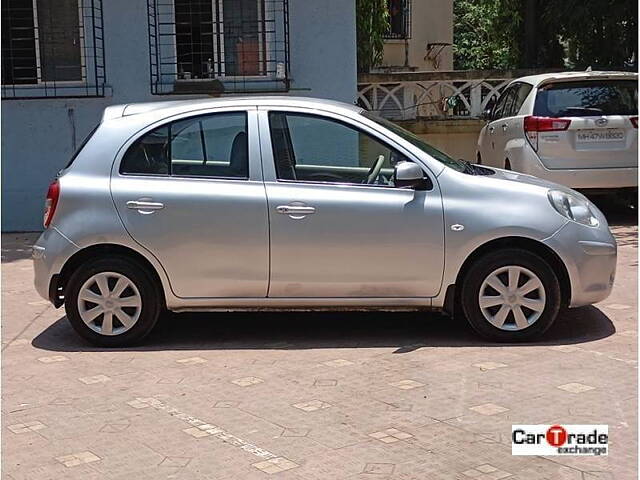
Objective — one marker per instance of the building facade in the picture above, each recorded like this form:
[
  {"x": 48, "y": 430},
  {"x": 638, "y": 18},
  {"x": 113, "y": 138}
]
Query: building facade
[
  {"x": 63, "y": 62},
  {"x": 420, "y": 37}
]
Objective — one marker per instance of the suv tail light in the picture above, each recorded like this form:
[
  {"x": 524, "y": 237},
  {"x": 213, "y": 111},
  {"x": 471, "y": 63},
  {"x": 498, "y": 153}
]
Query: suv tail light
[
  {"x": 51, "y": 202},
  {"x": 533, "y": 125},
  {"x": 634, "y": 121}
]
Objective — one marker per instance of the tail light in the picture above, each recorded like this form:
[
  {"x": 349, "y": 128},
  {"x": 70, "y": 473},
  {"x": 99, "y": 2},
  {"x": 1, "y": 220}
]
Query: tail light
[
  {"x": 51, "y": 202},
  {"x": 634, "y": 121},
  {"x": 533, "y": 125}
]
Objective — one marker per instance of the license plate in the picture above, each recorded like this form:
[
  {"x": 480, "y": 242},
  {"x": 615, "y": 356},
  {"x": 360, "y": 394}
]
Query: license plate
[{"x": 600, "y": 135}]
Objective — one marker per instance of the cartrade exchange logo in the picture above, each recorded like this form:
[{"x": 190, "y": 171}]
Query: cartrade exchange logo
[{"x": 560, "y": 440}]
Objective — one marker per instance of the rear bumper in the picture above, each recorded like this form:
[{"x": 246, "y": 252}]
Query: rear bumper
[
  {"x": 49, "y": 254},
  {"x": 581, "y": 178}
]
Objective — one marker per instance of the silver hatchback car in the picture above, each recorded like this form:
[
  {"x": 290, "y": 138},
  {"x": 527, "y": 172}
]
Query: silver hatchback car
[{"x": 291, "y": 203}]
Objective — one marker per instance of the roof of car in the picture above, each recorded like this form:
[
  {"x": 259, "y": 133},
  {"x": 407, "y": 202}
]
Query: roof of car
[
  {"x": 181, "y": 106},
  {"x": 567, "y": 76}
]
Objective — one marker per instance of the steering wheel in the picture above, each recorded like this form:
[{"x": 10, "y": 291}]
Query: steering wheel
[{"x": 374, "y": 171}]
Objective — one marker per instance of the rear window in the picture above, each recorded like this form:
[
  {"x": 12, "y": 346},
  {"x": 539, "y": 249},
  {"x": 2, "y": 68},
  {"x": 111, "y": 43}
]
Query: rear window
[{"x": 587, "y": 98}]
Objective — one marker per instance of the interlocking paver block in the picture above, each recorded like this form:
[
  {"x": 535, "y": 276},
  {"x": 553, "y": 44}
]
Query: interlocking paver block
[
  {"x": 575, "y": 387},
  {"x": 340, "y": 362},
  {"x": 379, "y": 468},
  {"x": 275, "y": 465},
  {"x": 137, "y": 403},
  {"x": 76, "y": 459},
  {"x": 325, "y": 382},
  {"x": 27, "y": 427},
  {"x": 191, "y": 361},
  {"x": 390, "y": 435},
  {"x": 489, "y": 365},
  {"x": 196, "y": 432},
  {"x": 312, "y": 405},
  {"x": 53, "y": 359},
  {"x": 247, "y": 381},
  {"x": 94, "y": 379},
  {"x": 407, "y": 384},
  {"x": 489, "y": 409}
]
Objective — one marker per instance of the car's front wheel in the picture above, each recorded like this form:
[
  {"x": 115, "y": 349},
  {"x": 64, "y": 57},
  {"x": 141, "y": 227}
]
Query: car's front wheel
[
  {"x": 511, "y": 295},
  {"x": 112, "y": 301}
]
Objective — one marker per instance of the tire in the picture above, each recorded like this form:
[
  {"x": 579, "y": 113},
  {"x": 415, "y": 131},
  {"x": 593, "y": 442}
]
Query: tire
[
  {"x": 480, "y": 278},
  {"x": 141, "y": 301}
]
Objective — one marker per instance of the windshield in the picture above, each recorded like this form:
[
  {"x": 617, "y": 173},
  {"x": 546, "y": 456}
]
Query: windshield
[
  {"x": 418, "y": 142},
  {"x": 587, "y": 98}
]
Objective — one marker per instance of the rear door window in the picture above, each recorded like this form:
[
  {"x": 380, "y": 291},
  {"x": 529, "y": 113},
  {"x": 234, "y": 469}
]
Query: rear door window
[
  {"x": 502, "y": 106},
  {"x": 587, "y": 98},
  {"x": 214, "y": 145},
  {"x": 520, "y": 96}
]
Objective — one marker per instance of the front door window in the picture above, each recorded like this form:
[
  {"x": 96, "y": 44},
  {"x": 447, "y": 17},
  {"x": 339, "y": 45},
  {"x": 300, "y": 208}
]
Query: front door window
[{"x": 308, "y": 148}]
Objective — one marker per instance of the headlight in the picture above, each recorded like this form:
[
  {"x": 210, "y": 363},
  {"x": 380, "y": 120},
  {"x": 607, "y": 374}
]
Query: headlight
[{"x": 573, "y": 207}]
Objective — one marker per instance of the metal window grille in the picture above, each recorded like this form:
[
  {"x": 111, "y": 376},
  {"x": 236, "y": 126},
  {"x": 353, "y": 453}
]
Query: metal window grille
[
  {"x": 218, "y": 46},
  {"x": 52, "y": 49},
  {"x": 399, "y": 19}
]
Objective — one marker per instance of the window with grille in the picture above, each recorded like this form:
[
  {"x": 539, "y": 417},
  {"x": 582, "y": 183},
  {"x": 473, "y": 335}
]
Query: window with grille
[
  {"x": 52, "y": 49},
  {"x": 399, "y": 19},
  {"x": 216, "y": 46}
]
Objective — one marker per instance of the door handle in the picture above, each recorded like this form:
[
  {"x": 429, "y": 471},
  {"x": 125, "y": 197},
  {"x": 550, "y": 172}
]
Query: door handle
[
  {"x": 505, "y": 127},
  {"x": 144, "y": 206},
  {"x": 295, "y": 211},
  {"x": 491, "y": 130}
]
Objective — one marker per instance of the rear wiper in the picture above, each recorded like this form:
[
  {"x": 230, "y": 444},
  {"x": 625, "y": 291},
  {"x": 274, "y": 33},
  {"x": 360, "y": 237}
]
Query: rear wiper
[{"x": 584, "y": 111}]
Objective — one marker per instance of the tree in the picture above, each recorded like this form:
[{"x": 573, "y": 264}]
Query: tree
[
  {"x": 602, "y": 34},
  {"x": 372, "y": 21},
  {"x": 542, "y": 34},
  {"x": 485, "y": 34}
]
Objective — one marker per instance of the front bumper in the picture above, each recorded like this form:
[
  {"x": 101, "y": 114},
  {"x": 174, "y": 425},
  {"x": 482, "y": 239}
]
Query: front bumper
[
  {"x": 590, "y": 257},
  {"x": 50, "y": 253}
]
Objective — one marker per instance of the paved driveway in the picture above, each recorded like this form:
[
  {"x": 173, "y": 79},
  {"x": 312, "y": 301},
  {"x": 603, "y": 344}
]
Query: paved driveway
[{"x": 311, "y": 395}]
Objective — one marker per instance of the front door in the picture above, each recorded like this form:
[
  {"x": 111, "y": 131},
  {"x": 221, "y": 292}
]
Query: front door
[
  {"x": 191, "y": 193},
  {"x": 338, "y": 226}
]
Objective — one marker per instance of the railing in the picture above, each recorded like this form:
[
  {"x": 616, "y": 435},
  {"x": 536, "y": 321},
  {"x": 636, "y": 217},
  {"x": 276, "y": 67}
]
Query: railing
[{"x": 437, "y": 95}]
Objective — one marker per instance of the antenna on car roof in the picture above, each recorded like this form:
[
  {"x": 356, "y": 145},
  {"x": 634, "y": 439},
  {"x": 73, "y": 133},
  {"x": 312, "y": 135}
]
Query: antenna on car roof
[{"x": 588, "y": 69}]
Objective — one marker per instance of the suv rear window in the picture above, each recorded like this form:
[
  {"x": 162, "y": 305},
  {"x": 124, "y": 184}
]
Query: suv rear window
[{"x": 587, "y": 98}]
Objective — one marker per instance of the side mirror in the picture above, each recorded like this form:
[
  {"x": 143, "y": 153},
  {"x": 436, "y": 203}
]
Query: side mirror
[{"x": 409, "y": 174}]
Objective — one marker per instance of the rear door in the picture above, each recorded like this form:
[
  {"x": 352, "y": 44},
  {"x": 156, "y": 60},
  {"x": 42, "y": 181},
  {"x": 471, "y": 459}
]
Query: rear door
[
  {"x": 601, "y": 132},
  {"x": 190, "y": 192},
  {"x": 496, "y": 129}
]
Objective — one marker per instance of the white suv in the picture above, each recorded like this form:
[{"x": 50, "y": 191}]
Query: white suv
[{"x": 579, "y": 129}]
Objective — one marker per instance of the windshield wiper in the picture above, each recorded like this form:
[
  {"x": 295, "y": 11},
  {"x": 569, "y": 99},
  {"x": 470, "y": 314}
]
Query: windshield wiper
[{"x": 468, "y": 166}]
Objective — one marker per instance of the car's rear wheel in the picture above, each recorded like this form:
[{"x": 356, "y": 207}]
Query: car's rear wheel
[
  {"x": 112, "y": 301},
  {"x": 511, "y": 295}
]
